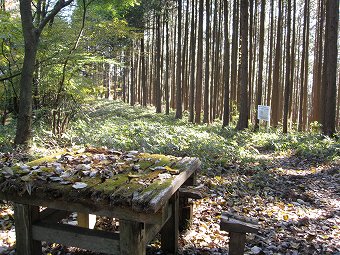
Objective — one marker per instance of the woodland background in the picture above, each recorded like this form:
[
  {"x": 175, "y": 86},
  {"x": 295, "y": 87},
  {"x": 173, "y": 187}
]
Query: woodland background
[
  {"x": 185, "y": 78},
  {"x": 213, "y": 59}
]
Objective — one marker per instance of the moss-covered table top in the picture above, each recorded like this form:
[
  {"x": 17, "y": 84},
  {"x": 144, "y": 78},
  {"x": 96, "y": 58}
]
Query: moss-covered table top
[{"x": 99, "y": 177}]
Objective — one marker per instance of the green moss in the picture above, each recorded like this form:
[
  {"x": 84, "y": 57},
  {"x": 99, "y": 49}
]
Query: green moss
[
  {"x": 157, "y": 186},
  {"x": 47, "y": 159},
  {"x": 110, "y": 185}
]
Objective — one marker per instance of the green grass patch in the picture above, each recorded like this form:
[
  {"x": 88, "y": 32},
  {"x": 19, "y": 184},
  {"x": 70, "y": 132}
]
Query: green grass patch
[{"x": 119, "y": 126}]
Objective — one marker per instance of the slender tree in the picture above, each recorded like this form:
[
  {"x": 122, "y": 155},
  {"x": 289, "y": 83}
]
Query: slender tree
[
  {"x": 276, "y": 73},
  {"x": 199, "y": 69},
  {"x": 330, "y": 65},
  {"x": 243, "y": 108},
  {"x": 288, "y": 72},
  {"x": 207, "y": 64},
  {"x": 260, "y": 71},
  {"x": 193, "y": 63},
  {"x": 179, "y": 112},
  {"x": 226, "y": 67}
]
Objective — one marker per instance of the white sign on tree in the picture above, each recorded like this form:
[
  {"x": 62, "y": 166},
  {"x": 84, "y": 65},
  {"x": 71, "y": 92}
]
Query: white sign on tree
[{"x": 263, "y": 112}]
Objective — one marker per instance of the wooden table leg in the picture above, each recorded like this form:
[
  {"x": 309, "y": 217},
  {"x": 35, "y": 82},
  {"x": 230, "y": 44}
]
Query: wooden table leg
[
  {"x": 132, "y": 238},
  {"x": 236, "y": 243},
  {"x": 24, "y": 216},
  {"x": 169, "y": 232},
  {"x": 185, "y": 207}
]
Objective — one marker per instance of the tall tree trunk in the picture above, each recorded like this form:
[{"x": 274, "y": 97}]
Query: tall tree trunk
[
  {"x": 193, "y": 63},
  {"x": 271, "y": 40},
  {"x": 198, "y": 103},
  {"x": 330, "y": 65},
  {"x": 167, "y": 67},
  {"x": 185, "y": 59},
  {"x": 303, "y": 83},
  {"x": 207, "y": 64},
  {"x": 234, "y": 53},
  {"x": 157, "y": 84},
  {"x": 132, "y": 79},
  {"x": 226, "y": 68},
  {"x": 243, "y": 108},
  {"x": 288, "y": 72},
  {"x": 293, "y": 59},
  {"x": 276, "y": 75},
  {"x": 144, "y": 87},
  {"x": 179, "y": 111},
  {"x": 260, "y": 72},
  {"x": 317, "y": 67}
]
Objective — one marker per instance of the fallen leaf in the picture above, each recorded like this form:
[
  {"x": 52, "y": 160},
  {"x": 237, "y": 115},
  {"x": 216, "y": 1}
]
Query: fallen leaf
[{"x": 79, "y": 185}]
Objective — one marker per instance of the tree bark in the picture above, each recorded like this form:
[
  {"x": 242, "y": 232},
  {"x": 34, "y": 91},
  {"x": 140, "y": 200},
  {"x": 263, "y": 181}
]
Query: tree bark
[
  {"x": 288, "y": 72},
  {"x": 207, "y": 64},
  {"x": 243, "y": 108},
  {"x": 226, "y": 68},
  {"x": 199, "y": 75},
  {"x": 179, "y": 100},
  {"x": 193, "y": 63},
  {"x": 260, "y": 72},
  {"x": 31, "y": 38},
  {"x": 330, "y": 64},
  {"x": 276, "y": 74}
]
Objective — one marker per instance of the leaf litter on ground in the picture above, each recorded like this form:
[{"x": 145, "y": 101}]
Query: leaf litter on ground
[{"x": 298, "y": 211}]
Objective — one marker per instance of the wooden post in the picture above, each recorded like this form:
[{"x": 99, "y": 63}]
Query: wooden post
[
  {"x": 238, "y": 227},
  {"x": 169, "y": 232},
  {"x": 132, "y": 238},
  {"x": 24, "y": 216},
  {"x": 236, "y": 243},
  {"x": 185, "y": 207}
]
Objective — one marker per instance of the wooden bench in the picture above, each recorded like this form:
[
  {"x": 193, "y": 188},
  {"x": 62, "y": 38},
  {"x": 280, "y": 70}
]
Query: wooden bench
[{"x": 238, "y": 227}]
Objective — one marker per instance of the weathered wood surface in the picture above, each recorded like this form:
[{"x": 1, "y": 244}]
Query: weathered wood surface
[
  {"x": 143, "y": 182},
  {"x": 237, "y": 243},
  {"x": 132, "y": 237},
  {"x": 237, "y": 226},
  {"x": 170, "y": 230},
  {"x": 24, "y": 216},
  {"x": 95, "y": 240}
]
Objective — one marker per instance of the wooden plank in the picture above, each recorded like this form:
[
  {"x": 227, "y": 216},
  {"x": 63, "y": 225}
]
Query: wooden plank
[
  {"x": 89, "y": 239},
  {"x": 237, "y": 226},
  {"x": 169, "y": 232},
  {"x": 89, "y": 208},
  {"x": 151, "y": 230},
  {"x": 53, "y": 215},
  {"x": 236, "y": 243},
  {"x": 24, "y": 216},
  {"x": 159, "y": 199},
  {"x": 132, "y": 238}
]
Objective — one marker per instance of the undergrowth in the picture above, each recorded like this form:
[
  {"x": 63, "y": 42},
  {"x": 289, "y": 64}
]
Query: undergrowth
[{"x": 117, "y": 125}]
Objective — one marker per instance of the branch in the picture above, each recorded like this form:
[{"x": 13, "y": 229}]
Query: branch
[
  {"x": 57, "y": 7},
  {"x": 10, "y": 77}
]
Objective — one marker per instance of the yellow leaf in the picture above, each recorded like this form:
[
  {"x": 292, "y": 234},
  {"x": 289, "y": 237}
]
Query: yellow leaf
[{"x": 285, "y": 217}]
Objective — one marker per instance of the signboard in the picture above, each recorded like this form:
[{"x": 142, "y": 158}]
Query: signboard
[{"x": 263, "y": 112}]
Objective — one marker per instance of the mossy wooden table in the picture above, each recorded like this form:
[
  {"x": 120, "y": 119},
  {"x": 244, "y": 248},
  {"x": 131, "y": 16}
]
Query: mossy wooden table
[{"x": 139, "y": 189}]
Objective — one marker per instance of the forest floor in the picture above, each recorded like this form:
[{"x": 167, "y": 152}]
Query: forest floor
[{"x": 294, "y": 196}]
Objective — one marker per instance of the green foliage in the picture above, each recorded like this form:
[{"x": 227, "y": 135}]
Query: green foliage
[
  {"x": 120, "y": 126},
  {"x": 117, "y": 125}
]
